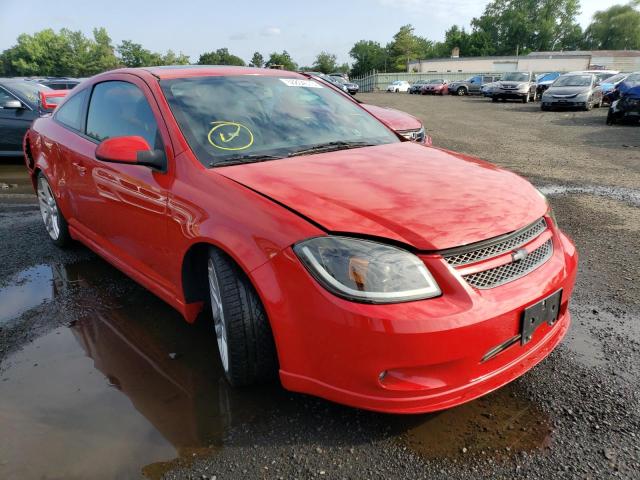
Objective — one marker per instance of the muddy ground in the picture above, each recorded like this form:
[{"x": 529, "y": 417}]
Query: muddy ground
[{"x": 100, "y": 379}]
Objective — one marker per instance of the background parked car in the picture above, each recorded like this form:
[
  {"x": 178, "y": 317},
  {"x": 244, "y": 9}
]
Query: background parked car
[
  {"x": 20, "y": 104},
  {"x": 351, "y": 88},
  {"x": 515, "y": 86},
  {"x": 399, "y": 86},
  {"x": 486, "y": 90},
  {"x": 58, "y": 83},
  {"x": 609, "y": 85},
  {"x": 415, "y": 87},
  {"x": 626, "y": 107},
  {"x": 472, "y": 85},
  {"x": 573, "y": 91},
  {"x": 633, "y": 80},
  {"x": 341, "y": 75},
  {"x": 436, "y": 86},
  {"x": 545, "y": 80}
]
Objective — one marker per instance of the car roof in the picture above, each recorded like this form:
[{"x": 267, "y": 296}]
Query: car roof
[{"x": 186, "y": 71}]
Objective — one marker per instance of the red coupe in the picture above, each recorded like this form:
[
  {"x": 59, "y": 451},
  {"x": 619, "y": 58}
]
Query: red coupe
[
  {"x": 435, "y": 87},
  {"x": 329, "y": 250}
]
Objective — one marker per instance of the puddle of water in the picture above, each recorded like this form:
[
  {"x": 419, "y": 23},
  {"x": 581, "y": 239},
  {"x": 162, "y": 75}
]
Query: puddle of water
[
  {"x": 498, "y": 425},
  {"x": 107, "y": 397},
  {"x": 623, "y": 194},
  {"x": 26, "y": 290}
]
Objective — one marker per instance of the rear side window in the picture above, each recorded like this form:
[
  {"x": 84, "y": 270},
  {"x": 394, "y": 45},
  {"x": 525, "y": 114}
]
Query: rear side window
[
  {"x": 70, "y": 114},
  {"x": 119, "y": 109}
]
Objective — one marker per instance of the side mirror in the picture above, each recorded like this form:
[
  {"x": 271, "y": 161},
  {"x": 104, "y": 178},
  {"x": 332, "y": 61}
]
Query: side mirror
[
  {"x": 13, "y": 105},
  {"x": 133, "y": 150}
]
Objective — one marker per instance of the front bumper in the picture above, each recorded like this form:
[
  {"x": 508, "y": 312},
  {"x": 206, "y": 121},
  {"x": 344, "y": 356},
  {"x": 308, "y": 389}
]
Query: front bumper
[
  {"x": 555, "y": 103},
  {"x": 410, "y": 357},
  {"x": 509, "y": 95}
]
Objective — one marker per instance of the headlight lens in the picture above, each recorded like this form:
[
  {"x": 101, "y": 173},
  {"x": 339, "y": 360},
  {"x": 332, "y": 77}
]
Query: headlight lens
[
  {"x": 550, "y": 211},
  {"x": 366, "y": 271}
]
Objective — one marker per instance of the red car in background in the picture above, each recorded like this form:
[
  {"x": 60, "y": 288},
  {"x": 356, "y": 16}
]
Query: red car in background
[
  {"x": 329, "y": 251},
  {"x": 401, "y": 122},
  {"x": 437, "y": 86}
]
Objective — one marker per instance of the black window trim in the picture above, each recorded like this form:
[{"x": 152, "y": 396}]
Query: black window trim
[{"x": 83, "y": 110}]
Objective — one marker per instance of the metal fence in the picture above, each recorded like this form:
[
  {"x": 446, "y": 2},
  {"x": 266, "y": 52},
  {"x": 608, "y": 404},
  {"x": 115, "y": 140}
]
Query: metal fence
[{"x": 376, "y": 81}]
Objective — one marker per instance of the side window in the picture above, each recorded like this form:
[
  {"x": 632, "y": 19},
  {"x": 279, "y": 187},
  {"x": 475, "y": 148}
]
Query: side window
[
  {"x": 4, "y": 97},
  {"x": 475, "y": 80},
  {"x": 119, "y": 109},
  {"x": 70, "y": 114}
]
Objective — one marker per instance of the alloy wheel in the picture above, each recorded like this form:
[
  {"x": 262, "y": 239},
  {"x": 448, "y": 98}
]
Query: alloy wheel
[
  {"x": 217, "y": 312},
  {"x": 48, "y": 208}
]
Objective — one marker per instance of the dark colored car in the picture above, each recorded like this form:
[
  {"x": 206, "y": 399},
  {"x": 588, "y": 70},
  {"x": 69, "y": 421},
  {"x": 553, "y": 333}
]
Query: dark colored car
[
  {"x": 58, "y": 83},
  {"x": 416, "y": 87},
  {"x": 350, "y": 87},
  {"x": 545, "y": 81},
  {"x": 20, "y": 104},
  {"x": 627, "y": 107}
]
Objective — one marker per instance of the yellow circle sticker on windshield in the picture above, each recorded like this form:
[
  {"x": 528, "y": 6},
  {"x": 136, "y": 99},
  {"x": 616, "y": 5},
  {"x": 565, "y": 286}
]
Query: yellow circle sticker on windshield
[{"x": 230, "y": 136}]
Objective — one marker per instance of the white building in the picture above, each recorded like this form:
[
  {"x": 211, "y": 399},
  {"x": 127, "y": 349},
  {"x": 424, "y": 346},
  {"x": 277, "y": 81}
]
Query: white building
[{"x": 622, "y": 60}]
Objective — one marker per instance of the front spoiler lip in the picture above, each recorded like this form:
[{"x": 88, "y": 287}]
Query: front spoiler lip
[{"x": 442, "y": 400}]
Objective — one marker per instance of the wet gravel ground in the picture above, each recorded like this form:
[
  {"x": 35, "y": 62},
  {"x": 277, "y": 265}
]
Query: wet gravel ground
[{"x": 99, "y": 379}]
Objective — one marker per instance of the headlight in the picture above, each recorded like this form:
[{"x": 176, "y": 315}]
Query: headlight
[
  {"x": 523, "y": 88},
  {"x": 550, "y": 211},
  {"x": 583, "y": 96},
  {"x": 366, "y": 271}
]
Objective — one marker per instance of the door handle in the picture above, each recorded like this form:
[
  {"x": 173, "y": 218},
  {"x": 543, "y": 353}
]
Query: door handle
[{"x": 81, "y": 169}]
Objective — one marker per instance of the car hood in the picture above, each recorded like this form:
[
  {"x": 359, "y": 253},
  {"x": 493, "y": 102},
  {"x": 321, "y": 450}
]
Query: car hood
[
  {"x": 425, "y": 197},
  {"x": 568, "y": 90},
  {"x": 394, "y": 119}
]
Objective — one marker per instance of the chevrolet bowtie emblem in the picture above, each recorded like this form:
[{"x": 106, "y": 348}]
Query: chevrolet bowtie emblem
[{"x": 519, "y": 255}]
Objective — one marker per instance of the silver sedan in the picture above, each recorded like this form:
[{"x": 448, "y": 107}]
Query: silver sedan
[{"x": 573, "y": 91}]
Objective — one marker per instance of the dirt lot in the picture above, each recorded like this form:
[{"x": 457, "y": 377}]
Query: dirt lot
[{"x": 100, "y": 379}]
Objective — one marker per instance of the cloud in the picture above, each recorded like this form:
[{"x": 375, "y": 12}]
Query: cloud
[{"x": 271, "y": 32}]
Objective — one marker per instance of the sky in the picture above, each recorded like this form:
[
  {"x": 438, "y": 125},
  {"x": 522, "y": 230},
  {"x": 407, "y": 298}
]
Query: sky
[{"x": 303, "y": 28}]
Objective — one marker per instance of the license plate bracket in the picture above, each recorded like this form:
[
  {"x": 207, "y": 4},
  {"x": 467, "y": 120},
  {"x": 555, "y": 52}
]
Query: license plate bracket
[{"x": 546, "y": 310}]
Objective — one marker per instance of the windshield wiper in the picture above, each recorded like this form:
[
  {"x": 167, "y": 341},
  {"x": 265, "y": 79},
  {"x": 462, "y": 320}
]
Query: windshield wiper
[
  {"x": 330, "y": 147},
  {"x": 244, "y": 159}
]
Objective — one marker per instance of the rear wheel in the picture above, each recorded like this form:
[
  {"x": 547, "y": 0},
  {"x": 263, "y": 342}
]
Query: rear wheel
[
  {"x": 54, "y": 221},
  {"x": 245, "y": 341}
]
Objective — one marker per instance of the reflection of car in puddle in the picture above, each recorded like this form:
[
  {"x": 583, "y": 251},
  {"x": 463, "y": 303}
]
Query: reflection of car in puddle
[{"x": 168, "y": 370}]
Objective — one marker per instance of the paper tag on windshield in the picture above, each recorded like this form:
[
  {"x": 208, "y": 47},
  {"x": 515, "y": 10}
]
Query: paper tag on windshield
[{"x": 296, "y": 82}]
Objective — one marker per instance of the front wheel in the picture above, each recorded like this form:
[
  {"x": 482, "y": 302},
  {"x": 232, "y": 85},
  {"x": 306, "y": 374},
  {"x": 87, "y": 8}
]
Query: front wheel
[
  {"x": 54, "y": 221},
  {"x": 245, "y": 341},
  {"x": 461, "y": 92},
  {"x": 588, "y": 106}
]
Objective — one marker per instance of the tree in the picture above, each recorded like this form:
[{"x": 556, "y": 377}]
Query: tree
[
  {"x": 135, "y": 55},
  {"x": 325, "y": 62},
  {"x": 368, "y": 56},
  {"x": 617, "y": 28},
  {"x": 66, "y": 53},
  {"x": 407, "y": 46},
  {"x": 257, "y": 60},
  {"x": 171, "y": 58},
  {"x": 282, "y": 59},
  {"x": 511, "y": 26},
  {"x": 220, "y": 57}
]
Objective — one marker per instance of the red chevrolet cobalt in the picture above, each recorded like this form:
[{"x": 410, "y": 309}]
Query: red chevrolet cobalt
[{"x": 332, "y": 252}]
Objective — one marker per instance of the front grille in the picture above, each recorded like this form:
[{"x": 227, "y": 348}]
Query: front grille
[
  {"x": 495, "y": 277},
  {"x": 502, "y": 245}
]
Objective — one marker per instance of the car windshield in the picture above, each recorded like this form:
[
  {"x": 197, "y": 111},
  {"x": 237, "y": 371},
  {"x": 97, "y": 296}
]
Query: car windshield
[
  {"x": 248, "y": 118},
  {"x": 436, "y": 81},
  {"x": 633, "y": 79},
  {"x": 573, "y": 81},
  {"x": 549, "y": 76},
  {"x": 516, "y": 77},
  {"x": 616, "y": 78},
  {"x": 28, "y": 91}
]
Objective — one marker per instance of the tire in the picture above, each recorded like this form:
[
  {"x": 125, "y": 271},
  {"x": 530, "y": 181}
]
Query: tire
[
  {"x": 245, "y": 341},
  {"x": 525, "y": 99},
  {"x": 54, "y": 222},
  {"x": 461, "y": 91},
  {"x": 600, "y": 102},
  {"x": 588, "y": 106},
  {"x": 611, "y": 120},
  {"x": 494, "y": 99},
  {"x": 544, "y": 108}
]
